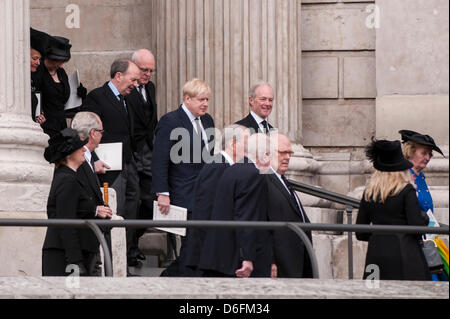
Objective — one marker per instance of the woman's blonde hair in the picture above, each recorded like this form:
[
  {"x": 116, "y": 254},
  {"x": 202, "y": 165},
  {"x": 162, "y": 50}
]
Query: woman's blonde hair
[{"x": 385, "y": 184}]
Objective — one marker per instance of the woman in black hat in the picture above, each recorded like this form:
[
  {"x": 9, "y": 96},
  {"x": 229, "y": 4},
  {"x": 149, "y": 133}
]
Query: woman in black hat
[
  {"x": 68, "y": 199},
  {"x": 390, "y": 199},
  {"x": 55, "y": 85},
  {"x": 418, "y": 149}
]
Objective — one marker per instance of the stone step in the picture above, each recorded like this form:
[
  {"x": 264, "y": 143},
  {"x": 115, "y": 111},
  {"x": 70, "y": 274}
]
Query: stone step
[{"x": 216, "y": 288}]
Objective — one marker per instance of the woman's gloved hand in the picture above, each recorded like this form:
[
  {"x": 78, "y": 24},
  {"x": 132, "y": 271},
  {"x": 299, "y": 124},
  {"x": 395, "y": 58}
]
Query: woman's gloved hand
[{"x": 82, "y": 91}]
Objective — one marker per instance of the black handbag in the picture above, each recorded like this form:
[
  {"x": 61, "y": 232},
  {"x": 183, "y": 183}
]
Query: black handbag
[{"x": 432, "y": 256}]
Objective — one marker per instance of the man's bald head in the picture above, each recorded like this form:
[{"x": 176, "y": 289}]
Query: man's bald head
[
  {"x": 145, "y": 60},
  {"x": 282, "y": 152}
]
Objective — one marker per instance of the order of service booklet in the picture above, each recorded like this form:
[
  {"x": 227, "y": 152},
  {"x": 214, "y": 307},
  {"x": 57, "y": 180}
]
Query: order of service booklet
[
  {"x": 111, "y": 154},
  {"x": 175, "y": 213}
]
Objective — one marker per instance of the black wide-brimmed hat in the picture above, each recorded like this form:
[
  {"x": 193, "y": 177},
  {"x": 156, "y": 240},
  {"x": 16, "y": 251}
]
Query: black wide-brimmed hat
[
  {"x": 39, "y": 41},
  {"x": 387, "y": 156},
  {"x": 59, "y": 49},
  {"x": 63, "y": 144},
  {"x": 418, "y": 138}
]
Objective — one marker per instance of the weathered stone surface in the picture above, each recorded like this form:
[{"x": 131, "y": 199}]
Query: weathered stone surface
[
  {"x": 21, "y": 247},
  {"x": 119, "y": 25},
  {"x": 154, "y": 243},
  {"x": 340, "y": 257},
  {"x": 323, "y": 248},
  {"x": 217, "y": 288},
  {"x": 320, "y": 77},
  {"x": 359, "y": 77},
  {"x": 336, "y": 29},
  {"x": 94, "y": 67},
  {"x": 413, "y": 59},
  {"x": 427, "y": 114}
]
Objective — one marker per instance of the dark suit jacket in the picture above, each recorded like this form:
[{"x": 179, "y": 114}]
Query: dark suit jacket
[
  {"x": 69, "y": 198},
  {"x": 178, "y": 178},
  {"x": 144, "y": 115},
  {"x": 117, "y": 123},
  {"x": 290, "y": 254},
  {"x": 398, "y": 256},
  {"x": 241, "y": 196},
  {"x": 250, "y": 122},
  {"x": 54, "y": 96},
  {"x": 204, "y": 195},
  {"x": 88, "y": 178}
]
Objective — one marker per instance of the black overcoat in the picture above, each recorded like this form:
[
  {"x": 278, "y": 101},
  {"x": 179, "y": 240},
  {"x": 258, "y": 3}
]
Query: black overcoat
[
  {"x": 397, "y": 256},
  {"x": 290, "y": 254},
  {"x": 69, "y": 199}
]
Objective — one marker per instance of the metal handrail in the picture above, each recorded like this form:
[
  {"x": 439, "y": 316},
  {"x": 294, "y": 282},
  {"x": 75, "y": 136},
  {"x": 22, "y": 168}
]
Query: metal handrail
[
  {"x": 322, "y": 193},
  {"x": 298, "y": 228}
]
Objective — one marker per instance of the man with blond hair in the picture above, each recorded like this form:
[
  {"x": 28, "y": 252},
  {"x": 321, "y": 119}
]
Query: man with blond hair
[{"x": 184, "y": 140}]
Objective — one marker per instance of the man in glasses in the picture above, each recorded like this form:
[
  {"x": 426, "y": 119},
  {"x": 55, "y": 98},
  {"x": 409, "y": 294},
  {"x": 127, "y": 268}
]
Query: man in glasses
[
  {"x": 290, "y": 254},
  {"x": 143, "y": 105},
  {"x": 88, "y": 125}
]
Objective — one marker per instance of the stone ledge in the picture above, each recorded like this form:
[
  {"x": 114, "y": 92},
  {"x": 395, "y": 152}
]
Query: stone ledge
[{"x": 216, "y": 288}]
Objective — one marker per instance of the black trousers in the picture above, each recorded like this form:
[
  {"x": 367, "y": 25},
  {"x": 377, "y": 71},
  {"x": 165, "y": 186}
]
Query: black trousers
[
  {"x": 126, "y": 186},
  {"x": 54, "y": 263}
]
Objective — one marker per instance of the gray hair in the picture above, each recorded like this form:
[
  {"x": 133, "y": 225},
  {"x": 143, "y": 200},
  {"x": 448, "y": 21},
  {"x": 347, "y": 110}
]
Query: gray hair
[
  {"x": 233, "y": 132},
  {"x": 119, "y": 65},
  {"x": 84, "y": 123},
  {"x": 258, "y": 146},
  {"x": 137, "y": 55},
  {"x": 252, "y": 92}
]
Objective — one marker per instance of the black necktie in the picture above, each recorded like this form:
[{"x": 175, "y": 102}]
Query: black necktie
[
  {"x": 122, "y": 102},
  {"x": 141, "y": 90},
  {"x": 264, "y": 124},
  {"x": 93, "y": 164},
  {"x": 293, "y": 195}
]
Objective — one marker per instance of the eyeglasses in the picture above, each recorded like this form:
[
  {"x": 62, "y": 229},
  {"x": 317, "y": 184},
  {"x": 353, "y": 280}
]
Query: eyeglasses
[
  {"x": 290, "y": 153},
  {"x": 147, "y": 70},
  {"x": 100, "y": 131}
]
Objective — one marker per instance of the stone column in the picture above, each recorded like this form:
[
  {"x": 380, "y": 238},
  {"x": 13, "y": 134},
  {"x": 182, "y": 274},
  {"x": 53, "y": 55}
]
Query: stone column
[
  {"x": 24, "y": 175},
  {"x": 231, "y": 44}
]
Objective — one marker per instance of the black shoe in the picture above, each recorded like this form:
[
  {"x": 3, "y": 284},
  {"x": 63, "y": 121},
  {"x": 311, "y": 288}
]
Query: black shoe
[
  {"x": 140, "y": 256},
  {"x": 133, "y": 262},
  {"x": 129, "y": 274}
]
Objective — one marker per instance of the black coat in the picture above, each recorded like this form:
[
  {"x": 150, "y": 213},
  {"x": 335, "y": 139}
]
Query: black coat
[
  {"x": 250, "y": 122},
  {"x": 290, "y": 254},
  {"x": 117, "y": 123},
  {"x": 90, "y": 180},
  {"x": 178, "y": 178},
  {"x": 398, "y": 256},
  {"x": 144, "y": 115},
  {"x": 204, "y": 195},
  {"x": 54, "y": 96},
  {"x": 241, "y": 196},
  {"x": 69, "y": 198}
]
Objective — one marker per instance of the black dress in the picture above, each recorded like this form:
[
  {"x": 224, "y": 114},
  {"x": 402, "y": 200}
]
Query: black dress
[
  {"x": 68, "y": 199},
  {"x": 54, "y": 96},
  {"x": 398, "y": 256}
]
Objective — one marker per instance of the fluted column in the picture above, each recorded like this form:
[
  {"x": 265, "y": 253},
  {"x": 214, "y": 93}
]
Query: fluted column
[
  {"x": 24, "y": 175},
  {"x": 231, "y": 44}
]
